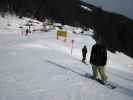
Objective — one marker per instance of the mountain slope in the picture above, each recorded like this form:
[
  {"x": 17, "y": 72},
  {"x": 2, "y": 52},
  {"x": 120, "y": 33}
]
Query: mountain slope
[{"x": 40, "y": 67}]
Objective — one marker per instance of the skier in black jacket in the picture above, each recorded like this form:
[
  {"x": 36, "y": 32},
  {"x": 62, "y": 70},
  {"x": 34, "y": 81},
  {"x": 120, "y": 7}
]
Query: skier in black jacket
[
  {"x": 84, "y": 52},
  {"x": 98, "y": 60}
]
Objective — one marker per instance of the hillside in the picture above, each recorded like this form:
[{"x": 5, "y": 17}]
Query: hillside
[
  {"x": 115, "y": 29},
  {"x": 40, "y": 67}
]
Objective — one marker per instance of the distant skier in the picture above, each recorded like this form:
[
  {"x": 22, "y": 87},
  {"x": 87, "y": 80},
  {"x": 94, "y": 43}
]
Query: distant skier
[
  {"x": 27, "y": 32},
  {"x": 98, "y": 61},
  {"x": 84, "y": 52}
]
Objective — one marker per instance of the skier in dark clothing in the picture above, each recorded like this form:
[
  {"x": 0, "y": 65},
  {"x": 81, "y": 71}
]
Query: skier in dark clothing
[
  {"x": 27, "y": 32},
  {"x": 84, "y": 52},
  {"x": 98, "y": 61}
]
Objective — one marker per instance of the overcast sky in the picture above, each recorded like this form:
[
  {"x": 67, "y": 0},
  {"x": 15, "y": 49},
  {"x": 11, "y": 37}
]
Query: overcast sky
[{"x": 124, "y": 7}]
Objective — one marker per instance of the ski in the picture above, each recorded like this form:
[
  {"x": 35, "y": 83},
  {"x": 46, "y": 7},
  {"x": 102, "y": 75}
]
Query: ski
[
  {"x": 84, "y": 63},
  {"x": 107, "y": 84}
]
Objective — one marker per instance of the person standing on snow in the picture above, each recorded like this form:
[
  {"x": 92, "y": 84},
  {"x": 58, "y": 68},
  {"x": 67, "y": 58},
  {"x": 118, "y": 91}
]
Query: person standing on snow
[
  {"x": 27, "y": 32},
  {"x": 84, "y": 52},
  {"x": 98, "y": 59}
]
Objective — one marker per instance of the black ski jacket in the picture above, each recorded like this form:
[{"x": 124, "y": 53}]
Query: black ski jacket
[
  {"x": 98, "y": 55},
  {"x": 84, "y": 51}
]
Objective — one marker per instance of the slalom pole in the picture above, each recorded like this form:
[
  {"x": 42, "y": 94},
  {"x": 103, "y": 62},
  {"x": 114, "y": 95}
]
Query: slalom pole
[{"x": 72, "y": 46}]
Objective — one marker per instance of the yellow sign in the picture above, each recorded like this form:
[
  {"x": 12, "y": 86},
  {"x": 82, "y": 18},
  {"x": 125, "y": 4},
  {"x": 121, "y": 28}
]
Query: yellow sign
[{"x": 62, "y": 34}]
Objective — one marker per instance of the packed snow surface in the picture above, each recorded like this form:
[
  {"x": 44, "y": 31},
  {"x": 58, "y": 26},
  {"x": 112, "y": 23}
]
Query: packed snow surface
[{"x": 40, "y": 67}]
